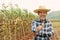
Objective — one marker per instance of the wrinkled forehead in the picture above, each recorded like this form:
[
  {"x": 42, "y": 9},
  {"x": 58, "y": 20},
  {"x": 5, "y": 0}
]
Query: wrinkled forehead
[{"x": 42, "y": 11}]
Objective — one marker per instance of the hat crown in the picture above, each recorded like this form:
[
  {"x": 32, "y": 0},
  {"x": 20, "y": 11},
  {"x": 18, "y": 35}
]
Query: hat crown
[{"x": 42, "y": 7}]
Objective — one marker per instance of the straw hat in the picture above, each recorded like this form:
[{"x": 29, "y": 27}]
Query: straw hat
[{"x": 41, "y": 8}]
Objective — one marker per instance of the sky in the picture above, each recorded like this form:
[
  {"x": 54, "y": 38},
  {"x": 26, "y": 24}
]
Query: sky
[{"x": 33, "y": 4}]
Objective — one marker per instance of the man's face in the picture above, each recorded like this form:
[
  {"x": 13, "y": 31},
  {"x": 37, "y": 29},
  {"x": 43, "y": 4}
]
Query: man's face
[{"x": 42, "y": 14}]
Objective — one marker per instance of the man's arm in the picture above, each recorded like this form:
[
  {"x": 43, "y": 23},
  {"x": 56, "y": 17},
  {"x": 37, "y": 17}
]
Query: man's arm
[
  {"x": 50, "y": 31},
  {"x": 34, "y": 27}
]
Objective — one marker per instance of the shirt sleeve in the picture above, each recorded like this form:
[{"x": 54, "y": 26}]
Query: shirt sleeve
[
  {"x": 33, "y": 26},
  {"x": 50, "y": 30}
]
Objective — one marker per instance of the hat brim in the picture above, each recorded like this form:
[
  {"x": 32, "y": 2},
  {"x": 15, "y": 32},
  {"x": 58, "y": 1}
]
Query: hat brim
[{"x": 38, "y": 10}]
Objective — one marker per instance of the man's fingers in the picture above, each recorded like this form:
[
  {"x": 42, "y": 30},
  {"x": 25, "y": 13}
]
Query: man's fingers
[{"x": 39, "y": 28}]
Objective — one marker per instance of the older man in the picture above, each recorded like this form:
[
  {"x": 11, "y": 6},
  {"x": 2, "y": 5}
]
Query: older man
[{"x": 41, "y": 27}]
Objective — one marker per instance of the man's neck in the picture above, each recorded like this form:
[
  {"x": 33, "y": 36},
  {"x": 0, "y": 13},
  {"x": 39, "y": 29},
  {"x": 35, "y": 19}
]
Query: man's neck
[{"x": 43, "y": 19}]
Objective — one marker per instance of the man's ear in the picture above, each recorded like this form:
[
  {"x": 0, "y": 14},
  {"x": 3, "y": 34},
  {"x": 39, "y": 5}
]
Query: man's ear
[
  {"x": 38, "y": 13},
  {"x": 46, "y": 13}
]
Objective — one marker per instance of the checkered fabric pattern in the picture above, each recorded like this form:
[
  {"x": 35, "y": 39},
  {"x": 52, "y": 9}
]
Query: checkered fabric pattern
[{"x": 47, "y": 29}]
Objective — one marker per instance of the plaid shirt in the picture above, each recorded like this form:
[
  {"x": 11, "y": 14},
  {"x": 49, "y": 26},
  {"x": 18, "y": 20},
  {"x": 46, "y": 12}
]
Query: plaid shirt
[{"x": 47, "y": 29}]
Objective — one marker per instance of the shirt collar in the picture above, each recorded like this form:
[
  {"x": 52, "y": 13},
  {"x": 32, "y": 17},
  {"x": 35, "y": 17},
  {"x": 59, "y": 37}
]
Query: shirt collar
[{"x": 39, "y": 20}]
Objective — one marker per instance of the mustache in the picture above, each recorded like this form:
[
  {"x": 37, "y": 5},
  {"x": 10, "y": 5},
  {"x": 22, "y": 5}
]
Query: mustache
[{"x": 43, "y": 15}]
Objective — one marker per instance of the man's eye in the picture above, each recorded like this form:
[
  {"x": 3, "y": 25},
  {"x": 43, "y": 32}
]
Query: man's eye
[{"x": 40, "y": 12}]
